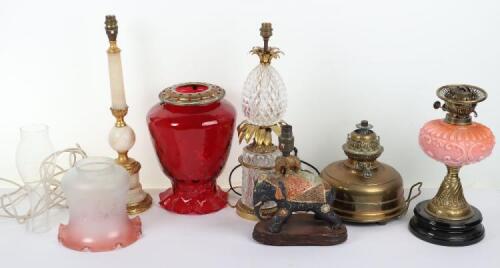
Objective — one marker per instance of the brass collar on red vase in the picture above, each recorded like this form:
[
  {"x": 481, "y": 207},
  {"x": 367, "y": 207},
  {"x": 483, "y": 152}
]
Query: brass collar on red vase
[{"x": 192, "y": 94}]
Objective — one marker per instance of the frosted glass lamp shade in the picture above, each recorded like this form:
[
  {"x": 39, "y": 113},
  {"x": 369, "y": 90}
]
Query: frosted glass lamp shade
[{"x": 96, "y": 191}]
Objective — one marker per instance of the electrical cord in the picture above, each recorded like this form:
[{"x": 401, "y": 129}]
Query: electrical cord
[
  {"x": 50, "y": 171},
  {"x": 296, "y": 152},
  {"x": 231, "y": 188}
]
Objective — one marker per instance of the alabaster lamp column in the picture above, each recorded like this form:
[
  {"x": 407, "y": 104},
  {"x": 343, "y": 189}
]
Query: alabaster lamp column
[
  {"x": 456, "y": 141},
  {"x": 122, "y": 136}
]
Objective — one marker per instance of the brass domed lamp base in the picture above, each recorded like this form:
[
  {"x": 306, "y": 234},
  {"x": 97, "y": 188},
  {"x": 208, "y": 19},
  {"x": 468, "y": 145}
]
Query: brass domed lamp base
[
  {"x": 368, "y": 191},
  {"x": 447, "y": 219}
]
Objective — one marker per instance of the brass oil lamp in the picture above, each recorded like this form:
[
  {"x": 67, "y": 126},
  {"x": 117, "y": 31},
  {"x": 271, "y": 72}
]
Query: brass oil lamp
[
  {"x": 456, "y": 141},
  {"x": 368, "y": 191}
]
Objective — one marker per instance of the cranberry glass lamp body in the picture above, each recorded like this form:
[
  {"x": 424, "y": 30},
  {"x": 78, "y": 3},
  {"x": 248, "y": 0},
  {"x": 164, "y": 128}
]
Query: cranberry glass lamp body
[
  {"x": 456, "y": 141},
  {"x": 191, "y": 130}
]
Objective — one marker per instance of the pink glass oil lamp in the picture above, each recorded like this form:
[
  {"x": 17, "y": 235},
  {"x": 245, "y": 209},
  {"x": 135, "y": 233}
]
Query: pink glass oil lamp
[{"x": 456, "y": 141}]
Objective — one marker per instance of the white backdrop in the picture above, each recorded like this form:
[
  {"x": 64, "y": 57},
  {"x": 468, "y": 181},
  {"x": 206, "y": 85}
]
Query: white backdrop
[{"x": 345, "y": 61}]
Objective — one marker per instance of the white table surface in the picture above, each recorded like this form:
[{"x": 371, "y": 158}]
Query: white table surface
[{"x": 223, "y": 239}]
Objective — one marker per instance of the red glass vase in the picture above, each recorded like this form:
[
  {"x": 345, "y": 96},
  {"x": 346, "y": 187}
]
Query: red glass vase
[{"x": 191, "y": 130}]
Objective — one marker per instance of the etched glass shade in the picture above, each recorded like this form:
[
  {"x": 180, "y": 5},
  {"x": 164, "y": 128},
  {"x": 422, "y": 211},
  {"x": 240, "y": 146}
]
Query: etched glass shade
[
  {"x": 264, "y": 96},
  {"x": 96, "y": 191}
]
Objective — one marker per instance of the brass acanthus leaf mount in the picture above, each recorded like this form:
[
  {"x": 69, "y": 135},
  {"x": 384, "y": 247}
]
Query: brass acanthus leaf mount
[
  {"x": 266, "y": 56},
  {"x": 262, "y": 135}
]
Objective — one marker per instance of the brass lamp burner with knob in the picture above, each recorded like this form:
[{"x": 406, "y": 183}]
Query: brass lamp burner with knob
[{"x": 368, "y": 191}]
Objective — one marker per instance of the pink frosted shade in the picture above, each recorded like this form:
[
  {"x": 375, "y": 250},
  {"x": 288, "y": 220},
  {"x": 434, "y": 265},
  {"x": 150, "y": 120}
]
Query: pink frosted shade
[
  {"x": 96, "y": 192},
  {"x": 96, "y": 239},
  {"x": 455, "y": 145}
]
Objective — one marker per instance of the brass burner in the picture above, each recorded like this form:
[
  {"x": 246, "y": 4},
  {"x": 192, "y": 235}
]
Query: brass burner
[{"x": 460, "y": 102}]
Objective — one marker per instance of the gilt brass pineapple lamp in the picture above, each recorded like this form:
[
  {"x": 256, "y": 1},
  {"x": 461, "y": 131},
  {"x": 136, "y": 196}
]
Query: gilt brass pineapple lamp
[
  {"x": 447, "y": 219},
  {"x": 264, "y": 103}
]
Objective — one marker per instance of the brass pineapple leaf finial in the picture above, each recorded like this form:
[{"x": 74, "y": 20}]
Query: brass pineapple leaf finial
[{"x": 266, "y": 53}]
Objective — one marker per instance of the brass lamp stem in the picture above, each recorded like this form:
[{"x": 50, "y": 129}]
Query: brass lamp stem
[
  {"x": 449, "y": 202},
  {"x": 266, "y": 31},
  {"x": 120, "y": 114},
  {"x": 122, "y": 158}
]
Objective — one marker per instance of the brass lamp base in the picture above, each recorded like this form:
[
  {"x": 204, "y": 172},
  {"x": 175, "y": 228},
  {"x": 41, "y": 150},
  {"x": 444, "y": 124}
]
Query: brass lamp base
[
  {"x": 380, "y": 217},
  {"x": 447, "y": 219},
  {"x": 378, "y": 199},
  {"x": 248, "y": 213},
  {"x": 139, "y": 207}
]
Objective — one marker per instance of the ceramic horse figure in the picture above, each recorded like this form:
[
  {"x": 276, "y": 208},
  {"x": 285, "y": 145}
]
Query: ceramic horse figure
[{"x": 294, "y": 190}]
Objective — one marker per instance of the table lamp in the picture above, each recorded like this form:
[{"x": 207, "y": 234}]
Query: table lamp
[
  {"x": 456, "y": 141},
  {"x": 264, "y": 103}
]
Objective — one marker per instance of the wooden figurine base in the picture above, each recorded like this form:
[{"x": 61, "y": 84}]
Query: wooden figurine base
[
  {"x": 446, "y": 232},
  {"x": 300, "y": 230}
]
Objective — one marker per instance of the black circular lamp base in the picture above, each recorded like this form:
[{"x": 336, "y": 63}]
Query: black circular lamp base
[{"x": 446, "y": 232}]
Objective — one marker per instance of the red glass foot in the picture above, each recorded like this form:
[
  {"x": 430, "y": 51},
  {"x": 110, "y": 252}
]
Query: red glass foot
[{"x": 187, "y": 202}]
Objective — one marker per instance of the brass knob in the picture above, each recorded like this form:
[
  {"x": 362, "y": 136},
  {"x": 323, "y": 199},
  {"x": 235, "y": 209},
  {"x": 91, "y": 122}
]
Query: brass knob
[
  {"x": 437, "y": 105},
  {"x": 365, "y": 169},
  {"x": 364, "y": 127}
]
